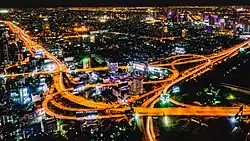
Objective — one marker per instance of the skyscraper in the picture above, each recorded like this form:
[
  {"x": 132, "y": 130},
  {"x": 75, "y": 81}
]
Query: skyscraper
[
  {"x": 222, "y": 24},
  {"x": 183, "y": 33},
  {"x": 211, "y": 20},
  {"x": 6, "y": 54},
  {"x": 178, "y": 18},
  {"x": 24, "y": 97},
  {"x": 137, "y": 86},
  {"x": 46, "y": 26}
]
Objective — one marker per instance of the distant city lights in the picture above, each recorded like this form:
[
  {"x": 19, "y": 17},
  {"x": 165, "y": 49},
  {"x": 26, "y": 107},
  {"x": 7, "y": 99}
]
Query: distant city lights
[
  {"x": 90, "y": 64},
  {"x": 4, "y": 11},
  {"x": 232, "y": 119}
]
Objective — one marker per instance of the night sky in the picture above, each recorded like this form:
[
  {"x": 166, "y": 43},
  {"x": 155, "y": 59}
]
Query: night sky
[{"x": 66, "y": 3}]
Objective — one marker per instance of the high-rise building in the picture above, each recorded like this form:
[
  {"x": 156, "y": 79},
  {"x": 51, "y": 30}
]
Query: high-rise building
[
  {"x": 86, "y": 63},
  {"x": 222, "y": 24},
  {"x": 113, "y": 67},
  {"x": 184, "y": 33},
  {"x": 211, "y": 20},
  {"x": 246, "y": 27},
  {"x": 46, "y": 26},
  {"x": 202, "y": 17},
  {"x": 234, "y": 27},
  {"x": 178, "y": 18},
  {"x": 46, "y": 126},
  {"x": 6, "y": 54},
  {"x": 117, "y": 92},
  {"x": 21, "y": 97},
  {"x": 2, "y": 86},
  {"x": 137, "y": 86},
  {"x": 181, "y": 17},
  {"x": 3, "y": 120},
  {"x": 165, "y": 29},
  {"x": 92, "y": 39}
]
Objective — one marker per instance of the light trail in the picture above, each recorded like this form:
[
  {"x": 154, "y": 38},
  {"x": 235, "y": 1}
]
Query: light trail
[
  {"x": 151, "y": 134},
  {"x": 188, "y": 110}
]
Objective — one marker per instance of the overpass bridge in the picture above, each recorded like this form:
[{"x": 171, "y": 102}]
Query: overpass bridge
[{"x": 236, "y": 88}]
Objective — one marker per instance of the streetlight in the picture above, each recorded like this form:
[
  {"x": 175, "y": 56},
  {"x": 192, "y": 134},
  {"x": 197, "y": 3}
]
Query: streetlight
[
  {"x": 166, "y": 120},
  {"x": 233, "y": 119}
]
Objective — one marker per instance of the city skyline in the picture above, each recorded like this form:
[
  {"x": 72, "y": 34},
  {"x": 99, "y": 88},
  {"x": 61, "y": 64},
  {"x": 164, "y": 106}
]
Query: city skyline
[{"x": 125, "y": 73}]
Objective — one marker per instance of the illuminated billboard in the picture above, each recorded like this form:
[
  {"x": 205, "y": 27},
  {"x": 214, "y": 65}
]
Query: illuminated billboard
[
  {"x": 180, "y": 50},
  {"x": 175, "y": 89},
  {"x": 139, "y": 66}
]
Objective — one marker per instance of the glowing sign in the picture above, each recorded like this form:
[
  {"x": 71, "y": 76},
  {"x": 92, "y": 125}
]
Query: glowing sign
[
  {"x": 180, "y": 50},
  {"x": 175, "y": 89},
  {"x": 141, "y": 67},
  {"x": 99, "y": 31},
  {"x": 85, "y": 36}
]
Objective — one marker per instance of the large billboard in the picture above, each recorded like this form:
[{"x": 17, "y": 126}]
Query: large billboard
[
  {"x": 180, "y": 50},
  {"x": 140, "y": 66}
]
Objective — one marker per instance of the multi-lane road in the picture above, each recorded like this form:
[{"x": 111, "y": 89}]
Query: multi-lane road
[{"x": 204, "y": 64}]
